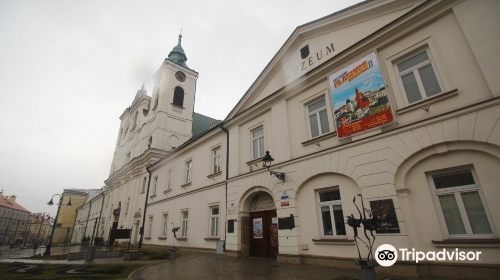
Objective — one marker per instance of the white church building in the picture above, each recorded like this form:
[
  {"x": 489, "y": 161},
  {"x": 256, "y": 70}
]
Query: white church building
[{"x": 397, "y": 101}]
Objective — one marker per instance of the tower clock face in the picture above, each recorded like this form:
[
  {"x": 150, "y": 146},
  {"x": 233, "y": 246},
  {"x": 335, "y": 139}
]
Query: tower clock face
[{"x": 181, "y": 77}]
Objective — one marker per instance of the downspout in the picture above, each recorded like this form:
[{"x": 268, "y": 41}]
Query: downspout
[
  {"x": 145, "y": 206},
  {"x": 227, "y": 177}
]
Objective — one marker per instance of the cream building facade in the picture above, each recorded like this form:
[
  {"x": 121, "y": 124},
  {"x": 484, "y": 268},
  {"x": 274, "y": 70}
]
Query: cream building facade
[
  {"x": 430, "y": 174},
  {"x": 14, "y": 220},
  {"x": 88, "y": 217}
]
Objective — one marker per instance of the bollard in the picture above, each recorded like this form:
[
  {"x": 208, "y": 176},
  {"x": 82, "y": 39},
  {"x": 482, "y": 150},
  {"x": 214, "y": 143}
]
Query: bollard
[
  {"x": 173, "y": 251},
  {"x": 91, "y": 251}
]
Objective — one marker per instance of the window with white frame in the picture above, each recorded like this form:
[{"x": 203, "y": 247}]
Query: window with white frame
[
  {"x": 461, "y": 204},
  {"x": 216, "y": 160},
  {"x": 155, "y": 184},
  {"x": 164, "y": 227},
  {"x": 169, "y": 180},
  {"x": 214, "y": 221},
  {"x": 318, "y": 118},
  {"x": 189, "y": 171},
  {"x": 258, "y": 143},
  {"x": 143, "y": 185},
  {"x": 417, "y": 77},
  {"x": 332, "y": 217},
  {"x": 184, "y": 228},
  {"x": 150, "y": 228}
]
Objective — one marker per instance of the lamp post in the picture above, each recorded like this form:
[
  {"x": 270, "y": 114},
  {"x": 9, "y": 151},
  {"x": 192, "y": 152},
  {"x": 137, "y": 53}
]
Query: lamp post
[
  {"x": 38, "y": 235},
  {"x": 51, "y": 202},
  {"x": 267, "y": 160}
]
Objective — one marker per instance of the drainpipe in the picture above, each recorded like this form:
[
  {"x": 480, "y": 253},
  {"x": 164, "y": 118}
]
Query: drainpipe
[
  {"x": 145, "y": 206},
  {"x": 227, "y": 177}
]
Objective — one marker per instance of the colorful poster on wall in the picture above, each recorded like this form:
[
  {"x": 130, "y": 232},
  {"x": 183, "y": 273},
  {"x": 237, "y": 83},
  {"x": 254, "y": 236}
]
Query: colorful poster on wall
[
  {"x": 359, "y": 97},
  {"x": 257, "y": 228},
  {"x": 274, "y": 235},
  {"x": 384, "y": 211}
]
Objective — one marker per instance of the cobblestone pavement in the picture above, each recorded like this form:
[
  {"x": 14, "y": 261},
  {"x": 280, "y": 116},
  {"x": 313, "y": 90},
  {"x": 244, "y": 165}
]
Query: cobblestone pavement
[{"x": 204, "y": 266}]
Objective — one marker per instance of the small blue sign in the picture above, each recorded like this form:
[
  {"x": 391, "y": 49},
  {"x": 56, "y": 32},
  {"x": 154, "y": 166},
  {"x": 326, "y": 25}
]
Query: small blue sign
[{"x": 284, "y": 196}]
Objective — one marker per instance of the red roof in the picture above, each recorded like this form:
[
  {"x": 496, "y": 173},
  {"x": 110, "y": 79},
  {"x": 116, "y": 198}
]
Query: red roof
[{"x": 5, "y": 203}]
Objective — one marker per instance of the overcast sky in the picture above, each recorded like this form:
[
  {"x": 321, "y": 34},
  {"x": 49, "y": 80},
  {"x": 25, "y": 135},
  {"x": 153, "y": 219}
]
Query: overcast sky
[{"x": 68, "y": 70}]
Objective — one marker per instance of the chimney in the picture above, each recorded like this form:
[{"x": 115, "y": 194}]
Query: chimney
[{"x": 12, "y": 199}]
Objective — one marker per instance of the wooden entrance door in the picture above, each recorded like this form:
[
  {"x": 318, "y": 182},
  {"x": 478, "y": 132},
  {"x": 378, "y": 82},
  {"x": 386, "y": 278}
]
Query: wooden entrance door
[{"x": 263, "y": 234}]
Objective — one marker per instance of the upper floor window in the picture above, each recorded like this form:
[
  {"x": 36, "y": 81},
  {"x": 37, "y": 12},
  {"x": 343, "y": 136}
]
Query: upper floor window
[
  {"x": 179, "y": 97},
  {"x": 169, "y": 180},
  {"x": 189, "y": 170},
  {"x": 143, "y": 185},
  {"x": 258, "y": 143},
  {"x": 150, "y": 228},
  {"x": 418, "y": 78},
  {"x": 332, "y": 217},
  {"x": 216, "y": 160},
  {"x": 318, "y": 118},
  {"x": 461, "y": 204},
  {"x": 135, "y": 119},
  {"x": 155, "y": 184}
]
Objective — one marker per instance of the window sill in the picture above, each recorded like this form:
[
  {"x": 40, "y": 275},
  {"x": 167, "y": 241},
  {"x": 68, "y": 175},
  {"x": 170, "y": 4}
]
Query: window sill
[
  {"x": 186, "y": 185},
  {"x": 212, "y": 238},
  {"x": 214, "y": 174},
  {"x": 142, "y": 192},
  {"x": 162, "y": 237},
  {"x": 147, "y": 237},
  {"x": 182, "y": 239},
  {"x": 152, "y": 196},
  {"x": 254, "y": 161},
  {"x": 167, "y": 191},
  {"x": 177, "y": 106},
  {"x": 427, "y": 101},
  {"x": 467, "y": 242},
  {"x": 319, "y": 138},
  {"x": 333, "y": 241}
]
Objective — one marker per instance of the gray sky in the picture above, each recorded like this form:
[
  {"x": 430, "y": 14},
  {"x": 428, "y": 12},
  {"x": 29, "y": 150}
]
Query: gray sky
[{"x": 68, "y": 69}]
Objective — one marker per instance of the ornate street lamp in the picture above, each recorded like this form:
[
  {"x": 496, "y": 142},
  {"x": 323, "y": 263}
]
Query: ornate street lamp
[
  {"x": 41, "y": 225},
  {"x": 267, "y": 160},
  {"x": 51, "y": 202}
]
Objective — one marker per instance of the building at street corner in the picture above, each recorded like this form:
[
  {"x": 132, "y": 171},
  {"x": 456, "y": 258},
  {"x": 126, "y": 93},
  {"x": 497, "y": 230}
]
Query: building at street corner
[
  {"x": 13, "y": 220},
  {"x": 397, "y": 101},
  {"x": 40, "y": 228},
  {"x": 67, "y": 214},
  {"x": 88, "y": 217}
]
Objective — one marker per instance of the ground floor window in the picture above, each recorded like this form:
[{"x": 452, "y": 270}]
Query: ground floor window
[
  {"x": 214, "y": 221},
  {"x": 460, "y": 201},
  {"x": 184, "y": 228},
  {"x": 332, "y": 217}
]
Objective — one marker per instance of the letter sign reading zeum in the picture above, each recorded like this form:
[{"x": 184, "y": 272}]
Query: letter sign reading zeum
[{"x": 359, "y": 97}]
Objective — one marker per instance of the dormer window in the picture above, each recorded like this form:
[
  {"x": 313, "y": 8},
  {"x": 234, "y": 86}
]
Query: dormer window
[{"x": 178, "y": 97}]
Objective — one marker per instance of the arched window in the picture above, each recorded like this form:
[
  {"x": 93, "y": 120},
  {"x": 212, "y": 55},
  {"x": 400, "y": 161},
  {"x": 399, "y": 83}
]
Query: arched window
[
  {"x": 135, "y": 118},
  {"x": 150, "y": 141},
  {"x": 179, "y": 97}
]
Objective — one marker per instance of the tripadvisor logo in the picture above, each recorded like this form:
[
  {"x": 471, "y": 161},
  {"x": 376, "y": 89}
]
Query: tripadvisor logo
[{"x": 387, "y": 255}]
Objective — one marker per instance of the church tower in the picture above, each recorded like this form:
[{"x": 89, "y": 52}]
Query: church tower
[{"x": 173, "y": 97}]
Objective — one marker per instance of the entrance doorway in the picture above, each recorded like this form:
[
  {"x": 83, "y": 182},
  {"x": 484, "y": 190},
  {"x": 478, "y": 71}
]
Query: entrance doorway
[{"x": 264, "y": 234}]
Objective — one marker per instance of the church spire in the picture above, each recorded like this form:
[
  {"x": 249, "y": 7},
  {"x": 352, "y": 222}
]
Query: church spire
[{"x": 177, "y": 54}]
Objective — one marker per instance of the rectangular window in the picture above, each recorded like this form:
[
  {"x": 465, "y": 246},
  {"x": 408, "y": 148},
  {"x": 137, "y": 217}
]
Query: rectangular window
[
  {"x": 216, "y": 160},
  {"x": 165, "y": 223},
  {"x": 150, "y": 228},
  {"x": 318, "y": 118},
  {"x": 184, "y": 228},
  {"x": 461, "y": 204},
  {"x": 189, "y": 167},
  {"x": 258, "y": 143},
  {"x": 169, "y": 181},
  {"x": 155, "y": 183},
  {"x": 144, "y": 181},
  {"x": 418, "y": 77},
  {"x": 332, "y": 217},
  {"x": 214, "y": 221}
]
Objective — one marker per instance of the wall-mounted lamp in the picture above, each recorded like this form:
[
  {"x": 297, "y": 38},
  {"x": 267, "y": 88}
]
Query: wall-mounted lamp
[{"x": 267, "y": 160}]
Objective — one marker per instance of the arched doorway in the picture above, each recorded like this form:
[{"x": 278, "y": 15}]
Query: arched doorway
[{"x": 262, "y": 226}]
